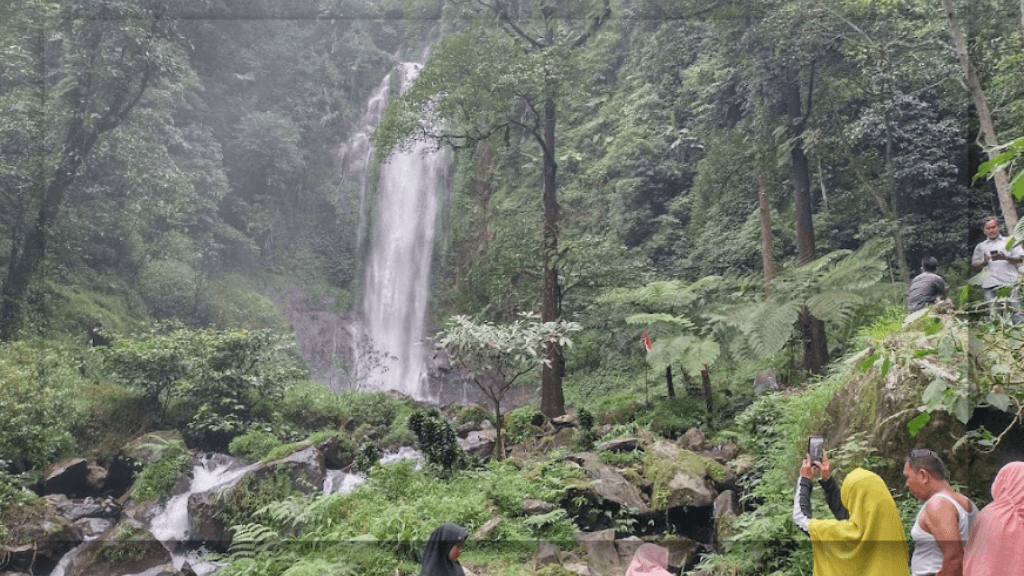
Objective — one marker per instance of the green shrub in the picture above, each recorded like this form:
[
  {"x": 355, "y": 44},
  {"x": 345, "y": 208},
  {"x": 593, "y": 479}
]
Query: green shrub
[
  {"x": 522, "y": 424},
  {"x": 367, "y": 456},
  {"x": 233, "y": 301},
  {"x": 436, "y": 439},
  {"x": 312, "y": 406},
  {"x": 219, "y": 383},
  {"x": 158, "y": 477},
  {"x": 254, "y": 445},
  {"x": 670, "y": 417},
  {"x": 376, "y": 408},
  {"x": 40, "y": 402},
  {"x": 472, "y": 413},
  {"x": 169, "y": 290}
]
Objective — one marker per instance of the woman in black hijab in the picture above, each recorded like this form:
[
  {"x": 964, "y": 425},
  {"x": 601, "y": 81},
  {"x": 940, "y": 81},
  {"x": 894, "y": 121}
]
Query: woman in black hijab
[{"x": 441, "y": 553}]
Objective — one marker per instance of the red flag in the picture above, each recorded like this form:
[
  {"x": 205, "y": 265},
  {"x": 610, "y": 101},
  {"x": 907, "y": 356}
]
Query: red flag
[{"x": 647, "y": 341}]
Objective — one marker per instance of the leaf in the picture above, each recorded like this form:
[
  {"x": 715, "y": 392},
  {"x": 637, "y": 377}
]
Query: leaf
[
  {"x": 933, "y": 393},
  {"x": 918, "y": 422},
  {"x": 963, "y": 409},
  {"x": 1001, "y": 401},
  {"x": 886, "y": 364},
  {"x": 868, "y": 362}
]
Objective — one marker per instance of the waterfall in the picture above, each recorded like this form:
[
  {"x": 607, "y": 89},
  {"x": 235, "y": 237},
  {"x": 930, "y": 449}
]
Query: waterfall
[{"x": 388, "y": 351}]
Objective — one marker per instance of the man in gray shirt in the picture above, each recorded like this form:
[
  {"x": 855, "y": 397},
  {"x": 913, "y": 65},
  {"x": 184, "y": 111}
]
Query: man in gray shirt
[
  {"x": 1001, "y": 263},
  {"x": 926, "y": 287}
]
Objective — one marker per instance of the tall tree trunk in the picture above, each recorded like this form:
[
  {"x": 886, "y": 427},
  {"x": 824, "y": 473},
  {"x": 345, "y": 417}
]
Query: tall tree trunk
[
  {"x": 799, "y": 169},
  {"x": 890, "y": 179},
  {"x": 815, "y": 354},
  {"x": 24, "y": 263},
  {"x": 767, "y": 257},
  {"x": 705, "y": 380},
  {"x": 988, "y": 131},
  {"x": 552, "y": 401},
  {"x": 668, "y": 382},
  {"x": 499, "y": 436}
]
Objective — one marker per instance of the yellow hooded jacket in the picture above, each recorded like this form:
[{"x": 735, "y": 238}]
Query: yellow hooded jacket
[{"x": 871, "y": 542}]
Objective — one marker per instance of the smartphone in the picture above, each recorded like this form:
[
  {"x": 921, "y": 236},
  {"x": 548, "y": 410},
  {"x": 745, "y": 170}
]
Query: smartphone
[{"x": 816, "y": 448}]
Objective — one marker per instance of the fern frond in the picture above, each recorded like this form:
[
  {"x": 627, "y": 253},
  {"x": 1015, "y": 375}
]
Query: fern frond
[
  {"x": 696, "y": 352},
  {"x": 541, "y": 520},
  {"x": 770, "y": 326},
  {"x": 653, "y": 320},
  {"x": 250, "y": 540},
  {"x": 836, "y": 306}
]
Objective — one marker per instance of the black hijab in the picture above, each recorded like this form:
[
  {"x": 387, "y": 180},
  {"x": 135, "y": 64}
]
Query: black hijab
[{"x": 439, "y": 545}]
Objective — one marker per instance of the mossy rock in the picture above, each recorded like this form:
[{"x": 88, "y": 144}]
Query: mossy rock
[
  {"x": 879, "y": 403},
  {"x": 680, "y": 477}
]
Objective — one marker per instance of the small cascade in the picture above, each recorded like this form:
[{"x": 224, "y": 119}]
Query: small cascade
[
  {"x": 171, "y": 525},
  {"x": 67, "y": 559},
  {"x": 341, "y": 482}
]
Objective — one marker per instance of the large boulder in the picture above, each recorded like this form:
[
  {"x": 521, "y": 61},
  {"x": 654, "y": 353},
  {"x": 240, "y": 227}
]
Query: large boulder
[
  {"x": 680, "y": 477},
  {"x": 69, "y": 477},
  {"x": 680, "y": 550},
  {"x": 545, "y": 554},
  {"x": 73, "y": 509},
  {"x": 602, "y": 555},
  {"x": 611, "y": 484},
  {"x": 726, "y": 511},
  {"x": 128, "y": 548},
  {"x": 883, "y": 401},
  {"x": 38, "y": 537}
]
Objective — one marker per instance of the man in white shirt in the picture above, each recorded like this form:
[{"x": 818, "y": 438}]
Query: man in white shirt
[
  {"x": 1001, "y": 263},
  {"x": 944, "y": 522}
]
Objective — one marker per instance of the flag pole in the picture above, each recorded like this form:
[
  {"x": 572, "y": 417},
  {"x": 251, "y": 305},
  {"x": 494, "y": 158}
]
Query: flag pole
[{"x": 647, "y": 367}]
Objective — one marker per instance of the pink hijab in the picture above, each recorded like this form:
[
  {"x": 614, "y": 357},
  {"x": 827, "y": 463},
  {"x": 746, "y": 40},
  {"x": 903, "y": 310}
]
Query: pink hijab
[
  {"x": 649, "y": 560},
  {"x": 995, "y": 546}
]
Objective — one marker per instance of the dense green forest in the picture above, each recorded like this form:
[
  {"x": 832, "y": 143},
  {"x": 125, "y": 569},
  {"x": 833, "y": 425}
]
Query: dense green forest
[{"x": 749, "y": 183}]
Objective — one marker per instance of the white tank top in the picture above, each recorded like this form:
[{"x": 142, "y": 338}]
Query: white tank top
[{"x": 927, "y": 554}]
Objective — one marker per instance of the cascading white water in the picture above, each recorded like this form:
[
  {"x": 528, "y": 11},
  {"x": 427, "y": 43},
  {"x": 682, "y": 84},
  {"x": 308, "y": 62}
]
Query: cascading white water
[
  {"x": 389, "y": 350},
  {"x": 171, "y": 525}
]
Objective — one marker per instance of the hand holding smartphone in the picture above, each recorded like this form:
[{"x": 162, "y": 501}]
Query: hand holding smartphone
[{"x": 816, "y": 449}]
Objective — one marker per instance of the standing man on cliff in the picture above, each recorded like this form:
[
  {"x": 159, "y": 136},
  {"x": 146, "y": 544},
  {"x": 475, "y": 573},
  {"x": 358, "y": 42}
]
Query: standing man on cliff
[
  {"x": 1002, "y": 265},
  {"x": 944, "y": 522}
]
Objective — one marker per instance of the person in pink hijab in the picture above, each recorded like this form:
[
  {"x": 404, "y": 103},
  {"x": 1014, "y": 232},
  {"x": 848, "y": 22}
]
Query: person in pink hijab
[
  {"x": 649, "y": 560},
  {"x": 995, "y": 546}
]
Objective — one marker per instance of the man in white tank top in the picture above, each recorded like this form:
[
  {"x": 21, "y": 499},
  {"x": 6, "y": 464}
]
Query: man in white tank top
[{"x": 944, "y": 521}]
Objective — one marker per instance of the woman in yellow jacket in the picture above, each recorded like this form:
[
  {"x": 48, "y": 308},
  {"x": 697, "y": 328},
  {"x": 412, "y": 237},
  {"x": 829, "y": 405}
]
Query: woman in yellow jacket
[{"x": 866, "y": 538}]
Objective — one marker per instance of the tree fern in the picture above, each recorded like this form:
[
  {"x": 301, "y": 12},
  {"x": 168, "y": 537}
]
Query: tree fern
[{"x": 768, "y": 325}]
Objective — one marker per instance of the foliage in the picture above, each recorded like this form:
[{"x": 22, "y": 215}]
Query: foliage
[
  {"x": 521, "y": 424},
  {"x": 39, "y": 399},
  {"x": 436, "y": 439},
  {"x": 968, "y": 365},
  {"x": 367, "y": 456},
  {"x": 219, "y": 382},
  {"x": 254, "y": 444},
  {"x": 495, "y": 357},
  {"x": 385, "y": 521},
  {"x": 12, "y": 491},
  {"x": 157, "y": 478},
  {"x": 774, "y": 430},
  {"x": 1005, "y": 157}
]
